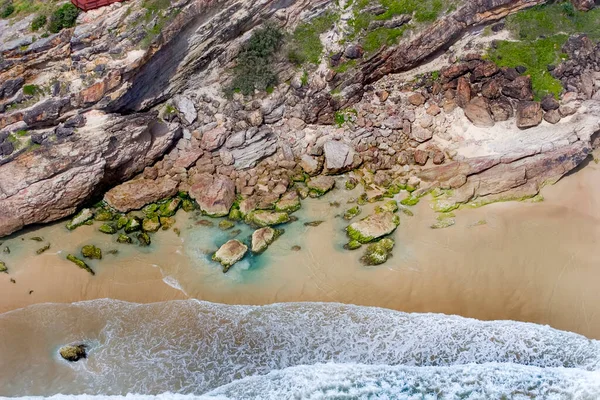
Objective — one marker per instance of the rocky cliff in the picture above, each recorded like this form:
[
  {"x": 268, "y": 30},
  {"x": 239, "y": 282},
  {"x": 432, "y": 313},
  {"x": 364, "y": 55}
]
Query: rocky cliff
[{"x": 137, "y": 93}]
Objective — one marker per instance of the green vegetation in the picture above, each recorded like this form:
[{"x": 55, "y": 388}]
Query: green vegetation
[
  {"x": 379, "y": 37},
  {"x": 63, "y": 17},
  {"x": 6, "y": 10},
  {"x": 305, "y": 44},
  {"x": 155, "y": 11},
  {"x": 543, "y": 30},
  {"x": 38, "y": 22},
  {"x": 343, "y": 116},
  {"x": 21, "y": 133},
  {"x": 345, "y": 66},
  {"x": 254, "y": 62},
  {"x": 31, "y": 90}
]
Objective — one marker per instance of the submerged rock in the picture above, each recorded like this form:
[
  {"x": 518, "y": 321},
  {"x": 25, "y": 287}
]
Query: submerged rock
[
  {"x": 166, "y": 222},
  {"x": 313, "y": 224},
  {"x": 320, "y": 185},
  {"x": 80, "y": 263},
  {"x": 352, "y": 245},
  {"x": 351, "y": 213},
  {"x": 81, "y": 218},
  {"x": 3, "y": 267},
  {"x": 379, "y": 252},
  {"x": 92, "y": 252},
  {"x": 133, "y": 225},
  {"x": 391, "y": 206},
  {"x": 230, "y": 253},
  {"x": 373, "y": 227},
  {"x": 263, "y": 237},
  {"x": 151, "y": 224},
  {"x": 124, "y": 239},
  {"x": 109, "y": 229},
  {"x": 73, "y": 352},
  {"x": 289, "y": 202},
  {"x": 42, "y": 249},
  {"x": 267, "y": 218},
  {"x": 226, "y": 225},
  {"x": 144, "y": 239}
]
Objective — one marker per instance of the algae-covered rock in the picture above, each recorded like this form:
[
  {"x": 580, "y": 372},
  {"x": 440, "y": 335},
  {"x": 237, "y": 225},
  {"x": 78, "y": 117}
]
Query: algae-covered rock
[
  {"x": 289, "y": 202},
  {"x": 73, "y": 352},
  {"x": 144, "y": 239},
  {"x": 151, "y": 224},
  {"x": 42, "y": 249},
  {"x": 134, "y": 224},
  {"x": 170, "y": 207},
  {"x": 351, "y": 213},
  {"x": 230, "y": 253},
  {"x": 390, "y": 205},
  {"x": 263, "y": 237},
  {"x": 373, "y": 227},
  {"x": 80, "y": 263},
  {"x": 121, "y": 222},
  {"x": 235, "y": 233},
  {"x": 37, "y": 239},
  {"x": 188, "y": 205},
  {"x": 91, "y": 251},
  {"x": 379, "y": 252},
  {"x": 443, "y": 221},
  {"x": 102, "y": 214},
  {"x": 226, "y": 225},
  {"x": 3, "y": 267},
  {"x": 264, "y": 218},
  {"x": 235, "y": 214},
  {"x": 80, "y": 218},
  {"x": 124, "y": 239},
  {"x": 313, "y": 224},
  {"x": 108, "y": 228},
  {"x": 351, "y": 183},
  {"x": 320, "y": 185},
  {"x": 352, "y": 245},
  {"x": 410, "y": 201},
  {"x": 167, "y": 222},
  {"x": 406, "y": 211}
]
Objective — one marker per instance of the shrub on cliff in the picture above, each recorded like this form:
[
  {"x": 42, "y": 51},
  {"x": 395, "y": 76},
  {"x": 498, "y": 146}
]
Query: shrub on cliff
[
  {"x": 305, "y": 43},
  {"x": 254, "y": 69},
  {"x": 38, "y": 22},
  {"x": 63, "y": 17},
  {"x": 6, "y": 10}
]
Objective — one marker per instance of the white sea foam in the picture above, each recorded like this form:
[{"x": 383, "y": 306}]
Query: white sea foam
[{"x": 193, "y": 347}]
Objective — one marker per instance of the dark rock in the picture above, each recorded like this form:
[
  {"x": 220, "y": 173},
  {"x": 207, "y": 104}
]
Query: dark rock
[
  {"x": 552, "y": 116},
  {"x": 501, "y": 109},
  {"x": 477, "y": 111},
  {"x": 11, "y": 86},
  {"x": 510, "y": 73},
  {"x": 421, "y": 156},
  {"x": 76, "y": 121},
  {"x": 519, "y": 89},
  {"x": 485, "y": 69},
  {"x": 463, "y": 92},
  {"x": 62, "y": 132},
  {"x": 491, "y": 89},
  {"x": 73, "y": 352},
  {"x": 549, "y": 103},
  {"x": 6, "y": 148},
  {"x": 521, "y": 69},
  {"x": 354, "y": 52},
  {"x": 529, "y": 114},
  {"x": 583, "y": 5},
  {"x": 454, "y": 71}
]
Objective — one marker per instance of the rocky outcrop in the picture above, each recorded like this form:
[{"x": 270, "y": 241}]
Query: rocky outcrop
[
  {"x": 230, "y": 253},
  {"x": 339, "y": 157},
  {"x": 373, "y": 227},
  {"x": 214, "y": 194},
  {"x": 135, "y": 194}
]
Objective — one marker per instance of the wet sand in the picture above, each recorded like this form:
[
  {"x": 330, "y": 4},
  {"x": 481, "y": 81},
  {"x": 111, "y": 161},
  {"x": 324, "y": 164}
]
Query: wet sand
[{"x": 533, "y": 262}]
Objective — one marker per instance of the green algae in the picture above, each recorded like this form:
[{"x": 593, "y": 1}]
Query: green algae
[{"x": 80, "y": 263}]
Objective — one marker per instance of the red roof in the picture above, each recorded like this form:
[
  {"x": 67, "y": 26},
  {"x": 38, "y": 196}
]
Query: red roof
[{"x": 87, "y": 5}]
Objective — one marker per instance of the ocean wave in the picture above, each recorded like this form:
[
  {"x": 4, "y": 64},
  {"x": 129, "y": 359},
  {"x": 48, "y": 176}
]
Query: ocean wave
[{"x": 193, "y": 347}]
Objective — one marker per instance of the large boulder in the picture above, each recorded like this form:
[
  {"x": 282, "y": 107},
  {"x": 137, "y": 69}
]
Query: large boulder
[
  {"x": 186, "y": 108},
  {"x": 267, "y": 218},
  {"x": 320, "y": 185},
  {"x": 529, "y": 114},
  {"x": 263, "y": 237},
  {"x": 214, "y": 194},
  {"x": 339, "y": 157},
  {"x": 230, "y": 253},
  {"x": 519, "y": 89},
  {"x": 373, "y": 227},
  {"x": 73, "y": 352},
  {"x": 478, "y": 112},
  {"x": 135, "y": 194}
]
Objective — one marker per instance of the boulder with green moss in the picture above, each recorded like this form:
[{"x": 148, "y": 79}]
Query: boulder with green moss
[
  {"x": 226, "y": 225},
  {"x": 124, "y": 239},
  {"x": 289, "y": 202},
  {"x": 73, "y": 353},
  {"x": 170, "y": 207},
  {"x": 151, "y": 224},
  {"x": 379, "y": 252},
  {"x": 264, "y": 218},
  {"x": 235, "y": 214},
  {"x": 263, "y": 237},
  {"x": 81, "y": 218},
  {"x": 80, "y": 263},
  {"x": 188, "y": 205},
  {"x": 134, "y": 224},
  {"x": 373, "y": 227},
  {"x": 351, "y": 213},
  {"x": 410, "y": 201},
  {"x": 91, "y": 251},
  {"x": 320, "y": 185},
  {"x": 42, "y": 249},
  {"x": 150, "y": 210},
  {"x": 352, "y": 245},
  {"x": 122, "y": 221},
  {"x": 3, "y": 267},
  {"x": 166, "y": 223},
  {"x": 103, "y": 214},
  {"x": 108, "y": 228},
  {"x": 144, "y": 239},
  {"x": 390, "y": 205},
  {"x": 230, "y": 253}
]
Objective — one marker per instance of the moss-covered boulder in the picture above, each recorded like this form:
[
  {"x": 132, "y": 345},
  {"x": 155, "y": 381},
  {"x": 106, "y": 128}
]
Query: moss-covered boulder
[
  {"x": 320, "y": 185},
  {"x": 73, "y": 352},
  {"x": 373, "y": 227},
  {"x": 108, "y": 228},
  {"x": 150, "y": 210},
  {"x": 170, "y": 207},
  {"x": 226, "y": 224},
  {"x": 263, "y": 237},
  {"x": 124, "y": 239},
  {"x": 151, "y": 224},
  {"x": 352, "y": 245},
  {"x": 92, "y": 252},
  {"x": 235, "y": 214},
  {"x": 103, "y": 214},
  {"x": 390, "y": 205},
  {"x": 351, "y": 213},
  {"x": 80, "y": 218},
  {"x": 264, "y": 218},
  {"x": 144, "y": 239},
  {"x": 3, "y": 267},
  {"x": 80, "y": 263},
  {"x": 188, "y": 205},
  {"x": 167, "y": 222},
  {"x": 134, "y": 224},
  {"x": 42, "y": 249},
  {"x": 289, "y": 202},
  {"x": 379, "y": 252},
  {"x": 230, "y": 253},
  {"x": 122, "y": 221}
]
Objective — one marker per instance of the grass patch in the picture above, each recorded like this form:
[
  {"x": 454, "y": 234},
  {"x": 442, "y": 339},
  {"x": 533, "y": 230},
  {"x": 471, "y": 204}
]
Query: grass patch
[
  {"x": 38, "y": 22},
  {"x": 305, "y": 44},
  {"x": 31, "y": 90},
  {"x": 6, "y": 10},
  {"x": 156, "y": 11},
  {"x": 379, "y": 37},
  {"x": 254, "y": 69},
  {"x": 345, "y": 66}
]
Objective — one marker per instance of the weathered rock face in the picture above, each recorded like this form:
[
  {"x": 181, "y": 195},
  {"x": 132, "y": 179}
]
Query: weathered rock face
[
  {"x": 135, "y": 194},
  {"x": 50, "y": 183},
  {"x": 529, "y": 114},
  {"x": 373, "y": 227},
  {"x": 478, "y": 112},
  {"x": 214, "y": 194},
  {"x": 339, "y": 157}
]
